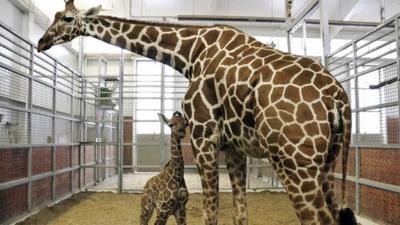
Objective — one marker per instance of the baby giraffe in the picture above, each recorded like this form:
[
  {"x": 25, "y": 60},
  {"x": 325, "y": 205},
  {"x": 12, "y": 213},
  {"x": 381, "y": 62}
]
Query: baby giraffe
[{"x": 167, "y": 190}]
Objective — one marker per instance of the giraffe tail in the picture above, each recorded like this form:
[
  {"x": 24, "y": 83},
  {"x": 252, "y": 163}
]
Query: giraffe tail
[{"x": 346, "y": 215}]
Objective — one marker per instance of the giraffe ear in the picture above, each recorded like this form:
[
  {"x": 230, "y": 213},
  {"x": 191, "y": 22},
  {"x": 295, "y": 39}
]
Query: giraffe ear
[
  {"x": 94, "y": 11},
  {"x": 163, "y": 119}
]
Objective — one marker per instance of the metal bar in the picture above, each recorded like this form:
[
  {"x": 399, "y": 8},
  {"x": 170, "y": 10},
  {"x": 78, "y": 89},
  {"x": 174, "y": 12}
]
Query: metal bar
[
  {"x": 162, "y": 107},
  {"x": 344, "y": 23},
  {"x": 11, "y": 31},
  {"x": 377, "y": 47},
  {"x": 324, "y": 31},
  {"x": 72, "y": 131},
  {"x": 310, "y": 8},
  {"x": 230, "y": 19},
  {"x": 289, "y": 41},
  {"x": 134, "y": 98},
  {"x": 397, "y": 33},
  {"x": 35, "y": 111},
  {"x": 371, "y": 183},
  {"x": 9, "y": 68},
  {"x": 14, "y": 61},
  {"x": 30, "y": 89},
  {"x": 6, "y": 147},
  {"x": 13, "y": 51},
  {"x": 16, "y": 44},
  {"x": 14, "y": 183},
  {"x": 363, "y": 36},
  {"x": 357, "y": 125},
  {"x": 374, "y": 39},
  {"x": 53, "y": 133},
  {"x": 120, "y": 124},
  {"x": 377, "y": 57},
  {"x": 383, "y": 105},
  {"x": 369, "y": 70}
]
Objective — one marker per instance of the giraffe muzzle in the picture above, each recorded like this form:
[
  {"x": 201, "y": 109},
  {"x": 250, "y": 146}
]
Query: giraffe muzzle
[{"x": 44, "y": 44}]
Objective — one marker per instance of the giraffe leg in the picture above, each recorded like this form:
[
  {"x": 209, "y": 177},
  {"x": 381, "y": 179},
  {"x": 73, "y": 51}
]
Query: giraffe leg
[
  {"x": 162, "y": 216},
  {"x": 304, "y": 185},
  {"x": 147, "y": 207},
  {"x": 180, "y": 214},
  {"x": 207, "y": 165},
  {"x": 237, "y": 164},
  {"x": 328, "y": 181}
]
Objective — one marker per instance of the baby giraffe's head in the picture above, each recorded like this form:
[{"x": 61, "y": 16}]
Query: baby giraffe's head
[
  {"x": 177, "y": 123},
  {"x": 67, "y": 25}
]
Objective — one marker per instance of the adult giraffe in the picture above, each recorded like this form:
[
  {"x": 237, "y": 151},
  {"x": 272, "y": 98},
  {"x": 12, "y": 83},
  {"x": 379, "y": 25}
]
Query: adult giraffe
[{"x": 245, "y": 99}]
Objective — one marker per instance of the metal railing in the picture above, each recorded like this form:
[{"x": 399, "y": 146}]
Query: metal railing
[
  {"x": 34, "y": 92},
  {"x": 369, "y": 69}
]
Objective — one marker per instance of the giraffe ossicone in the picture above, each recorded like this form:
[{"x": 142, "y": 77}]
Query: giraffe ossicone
[{"x": 246, "y": 99}]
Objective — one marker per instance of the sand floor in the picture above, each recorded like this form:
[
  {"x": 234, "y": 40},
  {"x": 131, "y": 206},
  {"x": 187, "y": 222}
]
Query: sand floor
[{"x": 97, "y": 208}]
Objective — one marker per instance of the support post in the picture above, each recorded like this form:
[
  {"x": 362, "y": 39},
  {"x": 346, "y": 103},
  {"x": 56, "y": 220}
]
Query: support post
[
  {"x": 304, "y": 27},
  {"x": 357, "y": 131},
  {"x": 162, "y": 131},
  {"x": 54, "y": 152},
  {"x": 71, "y": 138},
  {"x": 324, "y": 30},
  {"x": 397, "y": 33},
  {"x": 121, "y": 121},
  {"x": 30, "y": 92},
  {"x": 382, "y": 11},
  {"x": 289, "y": 41}
]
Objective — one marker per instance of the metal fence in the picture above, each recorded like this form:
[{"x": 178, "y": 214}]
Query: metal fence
[
  {"x": 40, "y": 121},
  {"x": 148, "y": 88},
  {"x": 368, "y": 68}
]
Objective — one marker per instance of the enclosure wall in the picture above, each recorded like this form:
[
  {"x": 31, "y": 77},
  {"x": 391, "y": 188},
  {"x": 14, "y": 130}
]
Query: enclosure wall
[
  {"x": 369, "y": 69},
  {"x": 40, "y": 114}
]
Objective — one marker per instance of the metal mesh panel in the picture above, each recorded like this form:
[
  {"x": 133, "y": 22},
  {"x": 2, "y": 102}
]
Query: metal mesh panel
[
  {"x": 42, "y": 95},
  {"x": 77, "y": 107},
  {"x": 63, "y": 131},
  {"x": 13, "y": 127},
  {"x": 75, "y": 137},
  {"x": 13, "y": 86},
  {"x": 42, "y": 129},
  {"x": 90, "y": 112},
  {"x": 63, "y": 102}
]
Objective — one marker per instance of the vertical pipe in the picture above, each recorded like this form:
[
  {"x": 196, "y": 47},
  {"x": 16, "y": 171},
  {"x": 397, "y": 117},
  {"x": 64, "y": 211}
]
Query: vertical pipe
[
  {"x": 31, "y": 63},
  {"x": 289, "y": 40},
  {"x": 324, "y": 30},
  {"x": 162, "y": 131},
  {"x": 54, "y": 130},
  {"x": 120, "y": 121},
  {"x": 357, "y": 131},
  {"x": 82, "y": 130},
  {"x": 382, "y": 11},
  {"x": 80, "y": 55},
  {"x": 72, "y": 129},
  {"x": 397, "y": 33},
  {"x": 304, "y": 26}
]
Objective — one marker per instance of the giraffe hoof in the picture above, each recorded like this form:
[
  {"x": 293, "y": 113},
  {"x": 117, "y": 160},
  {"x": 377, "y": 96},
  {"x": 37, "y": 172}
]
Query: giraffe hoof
[{"x": 347, "y": 217}]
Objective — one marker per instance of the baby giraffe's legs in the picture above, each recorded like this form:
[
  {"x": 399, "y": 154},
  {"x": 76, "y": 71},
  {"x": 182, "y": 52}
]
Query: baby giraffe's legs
[
  {"x": 180, "y": 213},
  {"x": 162, "y": 216},
  {"x": 147, "y": 207}
]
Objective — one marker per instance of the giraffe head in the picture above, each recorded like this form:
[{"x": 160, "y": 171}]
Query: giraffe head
[
  {"x": 177, "y": 123},
  {"x": 67, "y": 25}
]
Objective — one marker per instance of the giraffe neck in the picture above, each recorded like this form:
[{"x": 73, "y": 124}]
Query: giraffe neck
[
  {"x": 176, "y": 153},
  {"x": 173, "y": 45}
]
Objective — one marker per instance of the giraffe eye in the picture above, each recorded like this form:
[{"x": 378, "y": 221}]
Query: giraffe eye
[{"x": 68, "y": 19}]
